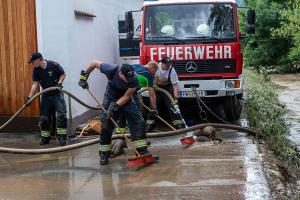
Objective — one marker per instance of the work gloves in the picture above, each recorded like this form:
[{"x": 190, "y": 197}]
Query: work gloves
[
  {"x": 83, "y": 80},
  {"x": 153, "y": 112},
  {"x": 59, "y": 85},
  {"x": 112, "y": 109},
  {"x": 27, "y": 103},
  {"x": 175, "y": 103}
]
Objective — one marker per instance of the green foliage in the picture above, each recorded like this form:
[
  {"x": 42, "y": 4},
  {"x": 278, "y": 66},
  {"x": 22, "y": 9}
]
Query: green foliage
[
  {"x": 263, "y": 49},
  {"x": 290, "y": 29},
  {"x": 288, "y": 68},
  {"x": 265, "y": 113}
]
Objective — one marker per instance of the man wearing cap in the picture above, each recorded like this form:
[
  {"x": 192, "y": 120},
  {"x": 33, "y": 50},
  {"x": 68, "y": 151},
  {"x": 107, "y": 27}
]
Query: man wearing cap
[
  {"x": 120, "y": 101},
  {"x": 167, "y": 79},
  {"x": 47, "y": 74},
  {"x": 145, "y": 75}
]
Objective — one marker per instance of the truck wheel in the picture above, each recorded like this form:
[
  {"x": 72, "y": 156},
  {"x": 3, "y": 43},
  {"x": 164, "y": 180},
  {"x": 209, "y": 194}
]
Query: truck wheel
[{"x": 233, "y": 107}]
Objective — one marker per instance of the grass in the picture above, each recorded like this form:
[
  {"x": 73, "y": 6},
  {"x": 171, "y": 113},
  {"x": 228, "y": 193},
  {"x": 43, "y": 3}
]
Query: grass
[{"x": 266, "y": 115}]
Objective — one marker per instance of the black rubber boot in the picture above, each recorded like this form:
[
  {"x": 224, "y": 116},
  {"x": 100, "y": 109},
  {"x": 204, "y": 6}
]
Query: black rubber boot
[
  {"x": 62, "y": 140},
  {"x": 180, "y": 126},
  {"x": 142, "y": 151},
  {"x": 45, "y": 140},
  {"x": 104, "y": 158},
  {"x": 149, "y": 127},
  {"x": 148, "y": 143}
]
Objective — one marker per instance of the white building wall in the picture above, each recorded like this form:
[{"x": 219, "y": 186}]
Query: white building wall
[{"x": 75, "y": 41}]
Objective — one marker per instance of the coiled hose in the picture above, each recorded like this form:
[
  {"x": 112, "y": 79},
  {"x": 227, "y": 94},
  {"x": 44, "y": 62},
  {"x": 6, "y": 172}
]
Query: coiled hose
[{"x": 94, "y": 141}]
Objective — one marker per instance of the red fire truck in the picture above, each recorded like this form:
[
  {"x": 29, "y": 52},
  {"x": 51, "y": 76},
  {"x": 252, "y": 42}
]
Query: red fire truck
[{"x": 203, "y": 39}]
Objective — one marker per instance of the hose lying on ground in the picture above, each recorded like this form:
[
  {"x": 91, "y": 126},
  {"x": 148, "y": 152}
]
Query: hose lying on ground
[
  {"x": 149, "y": 135},
  {"x": 94, "y": 141},
  {"x": 41, "y": 93}
]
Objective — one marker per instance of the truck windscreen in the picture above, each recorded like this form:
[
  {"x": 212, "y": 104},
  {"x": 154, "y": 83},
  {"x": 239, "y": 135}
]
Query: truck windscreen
[{"x": 213, "y": 22}]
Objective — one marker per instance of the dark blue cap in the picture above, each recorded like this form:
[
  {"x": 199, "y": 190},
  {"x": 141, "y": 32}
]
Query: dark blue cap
[
  {"x": 35, "y": 56},
  {"x": 128, "y": 72}
]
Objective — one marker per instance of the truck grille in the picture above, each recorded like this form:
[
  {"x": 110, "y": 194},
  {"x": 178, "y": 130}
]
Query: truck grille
[{"x": 204, "y": 66}]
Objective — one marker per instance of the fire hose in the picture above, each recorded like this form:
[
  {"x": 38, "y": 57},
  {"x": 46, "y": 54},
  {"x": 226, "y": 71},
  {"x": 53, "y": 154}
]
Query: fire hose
[{"x": 94, "y": 141}]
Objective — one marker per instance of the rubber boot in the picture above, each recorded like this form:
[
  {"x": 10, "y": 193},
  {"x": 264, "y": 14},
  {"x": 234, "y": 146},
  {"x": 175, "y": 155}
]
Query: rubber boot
[
  {"x": 180, "y": 126},
  {"x": 142, "y": 151},
  {"x": 104, "y": 158},
  {"x": 150, "y": 127},
  {"x": 44, "y": 140},
  {"x": 148, "y": 143},
  {"x": 62, "y": 139}
]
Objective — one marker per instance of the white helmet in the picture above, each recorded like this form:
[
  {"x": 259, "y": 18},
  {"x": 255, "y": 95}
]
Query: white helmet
[
  {"x": 203, "y": 29},
  {"x": 168, "y": 30}
]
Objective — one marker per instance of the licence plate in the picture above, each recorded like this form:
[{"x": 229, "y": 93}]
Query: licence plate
[{"x": 191, "y": 94}]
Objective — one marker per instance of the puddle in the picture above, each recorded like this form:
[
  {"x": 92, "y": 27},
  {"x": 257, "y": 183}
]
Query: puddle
[
  {"x": 256, "y": 187},
  {"x": 202, "y": 171}
]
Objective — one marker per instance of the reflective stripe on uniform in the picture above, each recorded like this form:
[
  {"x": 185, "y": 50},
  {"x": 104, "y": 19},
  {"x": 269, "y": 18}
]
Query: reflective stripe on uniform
[
  {"x": 139, "y": 143},
  {"x": 45, "y": 133},
  {"x": 177, "y": 122},
  {"x": 104, "y": 148},
  {"x": 61, "y": 131},
  {"x": 149, "y": 121},
  {"x": 83, "y": 78},
  {"x": 120, "y": 130}
]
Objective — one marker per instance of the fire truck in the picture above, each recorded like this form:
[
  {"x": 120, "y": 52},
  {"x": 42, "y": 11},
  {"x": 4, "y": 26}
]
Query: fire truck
[{"x": 203, "y": 40}]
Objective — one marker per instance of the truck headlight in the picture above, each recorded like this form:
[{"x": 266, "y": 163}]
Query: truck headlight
[{"x": 232, "y": 84}]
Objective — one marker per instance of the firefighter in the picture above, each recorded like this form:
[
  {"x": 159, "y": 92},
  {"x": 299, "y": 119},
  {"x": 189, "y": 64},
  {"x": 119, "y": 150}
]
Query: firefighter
[
  {"x": 146, "y": 76},
  {"x": 120, "y": 101},
  {"x": 167, "y": 79},
  {"x": 47, "y": 74}
]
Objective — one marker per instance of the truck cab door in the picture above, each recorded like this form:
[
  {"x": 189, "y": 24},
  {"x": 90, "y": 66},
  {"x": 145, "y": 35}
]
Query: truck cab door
[{"x": 129, "y": 48}]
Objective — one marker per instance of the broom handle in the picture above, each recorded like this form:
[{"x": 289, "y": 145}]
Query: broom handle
[
  {"x": 113, "y": 121},
  {"x": 161, "y": 119}
]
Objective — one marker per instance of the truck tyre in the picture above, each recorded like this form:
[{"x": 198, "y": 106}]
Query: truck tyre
[{"x": 233, "y": 107}]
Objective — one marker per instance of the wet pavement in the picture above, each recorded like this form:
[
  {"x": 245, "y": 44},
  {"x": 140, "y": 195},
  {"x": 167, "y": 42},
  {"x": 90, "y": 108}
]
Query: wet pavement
[
  {"x": 289, "y": 95},
  {"x": 229, "y": 170}
]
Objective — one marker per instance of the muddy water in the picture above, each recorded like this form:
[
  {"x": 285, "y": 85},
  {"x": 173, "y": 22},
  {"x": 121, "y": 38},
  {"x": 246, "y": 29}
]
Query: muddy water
[
  {"x": 230, "y": 170},
  {"x": 289, "y": 94}
]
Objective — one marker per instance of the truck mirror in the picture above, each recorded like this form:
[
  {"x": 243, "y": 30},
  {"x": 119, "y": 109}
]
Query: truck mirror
[
  {"x": 129, "y": 25},
  {"x": 251, "y": 17},
  {"x": 250, "y": 29}
]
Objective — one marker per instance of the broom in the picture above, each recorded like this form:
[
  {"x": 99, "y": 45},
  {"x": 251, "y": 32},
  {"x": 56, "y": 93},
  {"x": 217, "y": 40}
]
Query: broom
[
  {"x": 184, "y": 139},
  {"x": 138, "y": 160}
]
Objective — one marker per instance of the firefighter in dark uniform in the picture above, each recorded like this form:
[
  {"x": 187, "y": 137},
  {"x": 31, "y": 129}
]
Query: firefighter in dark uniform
[
  {"x": 120, "y": 101},
  {"x": 47, "y": 74},
  {"x": 167, "y": 79},
  {"x": 145, "y": 75}
]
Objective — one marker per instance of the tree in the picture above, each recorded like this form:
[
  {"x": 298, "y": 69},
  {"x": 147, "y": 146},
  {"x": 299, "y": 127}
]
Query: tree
[
  {"x": 265, "y": 49},
  {"x": 290, "y": 30}
]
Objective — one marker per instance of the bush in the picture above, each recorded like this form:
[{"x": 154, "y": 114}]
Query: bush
[{"x": 265, "y": 114}]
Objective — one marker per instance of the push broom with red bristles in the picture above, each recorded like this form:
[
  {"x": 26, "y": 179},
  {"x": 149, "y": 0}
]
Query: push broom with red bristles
[
  {"x": 185, "y": 140},
  {"x": 139, "y": 160}
]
